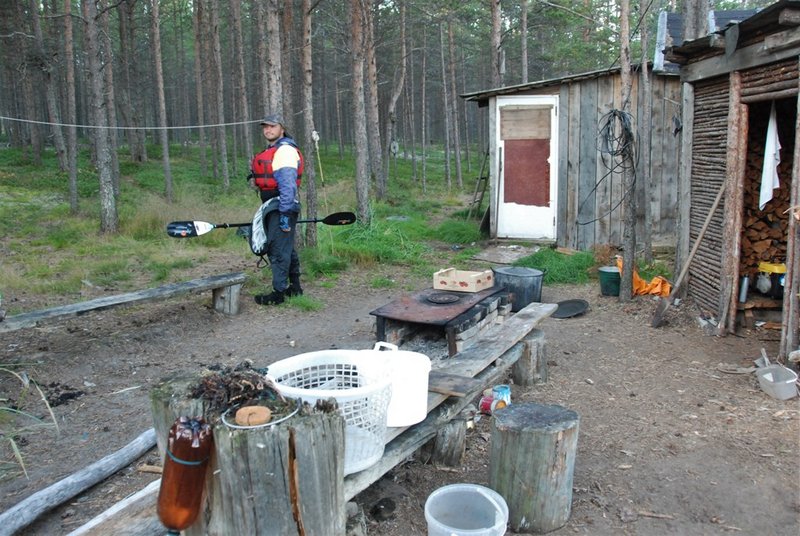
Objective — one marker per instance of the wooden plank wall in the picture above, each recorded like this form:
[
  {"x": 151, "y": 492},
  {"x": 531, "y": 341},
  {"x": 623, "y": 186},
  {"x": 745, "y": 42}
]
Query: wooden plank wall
[
  {"x": 589, "y": 203},
  {"x": 708, "y": 175}
]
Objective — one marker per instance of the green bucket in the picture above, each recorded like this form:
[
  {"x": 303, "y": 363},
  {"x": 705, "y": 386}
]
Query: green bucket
[{"x": 609, "y": 280}]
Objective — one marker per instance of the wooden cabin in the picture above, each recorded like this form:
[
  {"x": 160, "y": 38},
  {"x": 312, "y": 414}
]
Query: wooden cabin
[
  {"x": 548, "y": 180},
  {"x": 732, "y": 81}
]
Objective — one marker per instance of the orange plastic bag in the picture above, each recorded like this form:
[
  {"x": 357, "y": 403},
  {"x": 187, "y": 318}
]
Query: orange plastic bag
[{"x": 658, "y": 286}]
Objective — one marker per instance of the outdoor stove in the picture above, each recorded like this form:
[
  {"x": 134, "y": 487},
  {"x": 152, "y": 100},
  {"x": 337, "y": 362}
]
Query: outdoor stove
[{"x": 458, "y": 316}]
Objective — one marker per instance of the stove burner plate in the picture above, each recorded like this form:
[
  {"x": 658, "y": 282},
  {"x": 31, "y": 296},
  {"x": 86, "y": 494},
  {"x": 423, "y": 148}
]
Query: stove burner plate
[{"x": 441, "y": 298}]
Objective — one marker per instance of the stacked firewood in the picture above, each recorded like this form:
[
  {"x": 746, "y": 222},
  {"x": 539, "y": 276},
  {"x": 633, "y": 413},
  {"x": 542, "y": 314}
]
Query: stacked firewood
[{"x": 764, "y": 232}]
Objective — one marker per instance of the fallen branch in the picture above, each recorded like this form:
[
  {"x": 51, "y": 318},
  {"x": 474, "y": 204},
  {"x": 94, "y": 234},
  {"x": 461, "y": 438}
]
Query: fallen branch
[
  {"x": 25, "y": 512},
  {"x": 654, "y": 515}
]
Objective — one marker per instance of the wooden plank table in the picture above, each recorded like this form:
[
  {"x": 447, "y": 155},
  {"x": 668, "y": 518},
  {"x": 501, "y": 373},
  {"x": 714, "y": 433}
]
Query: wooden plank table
[{"x": 487, "y": 362}]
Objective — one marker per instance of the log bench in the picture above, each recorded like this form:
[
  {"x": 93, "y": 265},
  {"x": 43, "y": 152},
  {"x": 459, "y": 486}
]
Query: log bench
[
  {"x": 514, "y": 347},
  {"x": 225, "y": 298}
]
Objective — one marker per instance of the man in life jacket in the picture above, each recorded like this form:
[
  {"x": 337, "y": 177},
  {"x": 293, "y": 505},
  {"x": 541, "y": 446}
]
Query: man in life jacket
[{"x": 276, "y": 172}]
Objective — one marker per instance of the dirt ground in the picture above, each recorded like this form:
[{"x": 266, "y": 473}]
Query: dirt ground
[{"x": 669, "y": 444}]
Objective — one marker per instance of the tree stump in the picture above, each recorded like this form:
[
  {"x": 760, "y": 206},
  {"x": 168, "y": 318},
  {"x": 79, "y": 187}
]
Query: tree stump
[
  {"x": 531, "y": 463},
  {"x": 531, "y": 368},
  {"x": 283, "y": 479},
  {"x": 449, "y": 445}
]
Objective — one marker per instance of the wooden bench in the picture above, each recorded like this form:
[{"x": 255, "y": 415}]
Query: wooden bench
[
  {"x": 225, "y": 298},
  {"x": 488, "y": 362}
]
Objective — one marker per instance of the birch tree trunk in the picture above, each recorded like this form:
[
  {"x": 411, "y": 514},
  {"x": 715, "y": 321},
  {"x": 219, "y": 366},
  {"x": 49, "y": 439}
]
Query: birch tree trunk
[
  {"x": 445, "y": 110},
  {"x": 263, "y": 55},
  {"x": 241, "y": 92},
  {"x": 130, "y": 107},
  {"x": 629, "y": 205},
  {"x": 50, "y": 94},
  {"x": 198, "y": 84},
  {"x": 72, "y": 131},
  {"x": 645, "y": 125},
  {"x": 495, "y": 40},
  {"x": 109, "y": 220},
  {"x": 162, "y": 106},
  {"x": 288, "y": 48},
  {"x": 309, "y": 175},
  {"x": 695, "y": 19},
  {"x": 523, "y": 38},
  {"x": 274, "y": 79},
  {"x": 391, "y": 112},
  {"x": 222, "y": 142},
  {"x": 110, "y": 103},
  {"x": 424, "y": 116},
  {"x": 454, "y": 103},
  {"x": 26, "y": 71},
  {"x": 357, "y": 9},
  {"x": 372, "y": 104}
]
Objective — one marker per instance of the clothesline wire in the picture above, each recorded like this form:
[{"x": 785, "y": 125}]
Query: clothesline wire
[{"x": 67, "y": 125}]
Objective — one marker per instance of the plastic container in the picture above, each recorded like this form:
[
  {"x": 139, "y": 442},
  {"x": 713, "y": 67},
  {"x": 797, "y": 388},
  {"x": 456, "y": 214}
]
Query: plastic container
[
  {"x": 609, "y": 280},
  {"x": 778, "y": 381},
  {"x": 466, "y": 510},
  {"x": 180, "y": 496},
  {"x": 777, "y": 278},
  {"x": 360, "y": 388},
  {"x": 523, "y": 284},
  {"x": 408, "y": 372}
]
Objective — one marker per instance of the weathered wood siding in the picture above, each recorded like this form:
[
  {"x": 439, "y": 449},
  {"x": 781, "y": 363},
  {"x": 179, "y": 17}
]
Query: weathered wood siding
[
  {"x": 708, "y": 175},
  {"x": 590, "y": 194}
]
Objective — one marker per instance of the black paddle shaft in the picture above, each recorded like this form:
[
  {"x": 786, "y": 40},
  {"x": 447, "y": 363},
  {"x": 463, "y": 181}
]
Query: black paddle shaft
[{"x": 189, "y": 229}]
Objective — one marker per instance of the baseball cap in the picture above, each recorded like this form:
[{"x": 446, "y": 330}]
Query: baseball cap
[{"x": 272, "y": 119}]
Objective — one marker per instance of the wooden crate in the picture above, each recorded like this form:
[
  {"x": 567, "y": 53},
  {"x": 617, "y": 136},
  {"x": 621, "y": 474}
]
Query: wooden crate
[{"x": 463, "y": 281}]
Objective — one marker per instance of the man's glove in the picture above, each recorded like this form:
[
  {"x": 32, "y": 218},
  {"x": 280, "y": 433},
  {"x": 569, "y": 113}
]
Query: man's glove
[{"x": 284, "y": 223}]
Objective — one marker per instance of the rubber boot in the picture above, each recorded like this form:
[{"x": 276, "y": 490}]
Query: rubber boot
[
  {"x": 276, "y": 297},
  {"x": 294, "y": 286}
]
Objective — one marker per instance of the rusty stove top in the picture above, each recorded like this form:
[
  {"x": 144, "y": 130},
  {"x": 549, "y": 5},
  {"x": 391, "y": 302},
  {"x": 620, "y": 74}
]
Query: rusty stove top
[{"x": 433, "y": 307}]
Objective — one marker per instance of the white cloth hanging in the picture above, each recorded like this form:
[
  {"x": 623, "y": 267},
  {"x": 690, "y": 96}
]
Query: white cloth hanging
[{"x": 772, "y": 157}]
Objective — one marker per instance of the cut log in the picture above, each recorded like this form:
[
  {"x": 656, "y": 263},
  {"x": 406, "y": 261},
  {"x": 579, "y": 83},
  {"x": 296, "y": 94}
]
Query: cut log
[
  {"x": 25, "y": 512},
  {"x": 531, "y": 464},
  {"x": 531, "y": 368},
  {"x": 450, "y": 444},
  {"x": 281, "y": 479}
]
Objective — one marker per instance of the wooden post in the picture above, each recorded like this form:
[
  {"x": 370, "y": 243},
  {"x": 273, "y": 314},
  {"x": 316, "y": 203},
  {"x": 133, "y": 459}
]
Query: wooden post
[
  {"x": 450, "y": 443},
  {"x": 531, "y": 463},
  {"x": 284, "y": 479},
  {"x": 531, "y": 368}
]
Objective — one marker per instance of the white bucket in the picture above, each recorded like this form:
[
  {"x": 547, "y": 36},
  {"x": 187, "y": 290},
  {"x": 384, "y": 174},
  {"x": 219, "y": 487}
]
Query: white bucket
[
  {"x": 408, "y": 372},
  {"x": 778, "y": 381},
  {"x": 466, "y": 510}
]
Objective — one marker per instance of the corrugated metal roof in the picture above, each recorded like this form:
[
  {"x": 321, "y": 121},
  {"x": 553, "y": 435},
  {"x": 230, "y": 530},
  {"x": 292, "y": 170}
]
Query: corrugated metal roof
[
  {"x": 511, "y": 90},
  {"x": 747, "y": 26}
]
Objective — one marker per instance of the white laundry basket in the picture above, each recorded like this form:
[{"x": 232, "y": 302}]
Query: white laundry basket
[{"x": 360, "y": 390}]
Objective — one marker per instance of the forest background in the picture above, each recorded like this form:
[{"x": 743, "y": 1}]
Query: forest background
[{"x": 370, "y": 80}]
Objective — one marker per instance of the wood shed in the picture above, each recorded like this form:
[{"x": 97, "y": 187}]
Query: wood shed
[
  {"x": 549, "y": 178},
  {"x": 740, "y": 100}
]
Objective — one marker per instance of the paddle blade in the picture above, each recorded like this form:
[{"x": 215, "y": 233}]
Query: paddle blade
[
  {"x": 339, "y": 218},
  {"x": 188, "y": 229}
]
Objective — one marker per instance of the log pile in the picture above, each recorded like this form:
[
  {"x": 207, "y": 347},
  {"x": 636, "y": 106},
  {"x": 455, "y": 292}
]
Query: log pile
[{"x": 764, "y": 232}]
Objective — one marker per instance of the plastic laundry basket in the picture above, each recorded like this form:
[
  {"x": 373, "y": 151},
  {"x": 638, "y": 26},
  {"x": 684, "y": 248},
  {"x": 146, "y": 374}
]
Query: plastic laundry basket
[{"x": 359, "y": 389}]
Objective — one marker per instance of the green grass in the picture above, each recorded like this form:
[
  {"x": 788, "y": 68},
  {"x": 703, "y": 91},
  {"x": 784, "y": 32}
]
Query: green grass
[{"x": 560, "y": 268}]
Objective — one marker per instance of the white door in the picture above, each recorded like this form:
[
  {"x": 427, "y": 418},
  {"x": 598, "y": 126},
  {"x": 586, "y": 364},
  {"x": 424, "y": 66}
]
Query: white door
[{"x": 527, "y": 160}]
